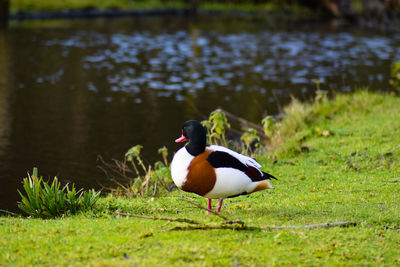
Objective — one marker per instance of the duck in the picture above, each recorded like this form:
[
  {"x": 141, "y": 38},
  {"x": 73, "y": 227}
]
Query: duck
[{"x": 213, "y": 171}]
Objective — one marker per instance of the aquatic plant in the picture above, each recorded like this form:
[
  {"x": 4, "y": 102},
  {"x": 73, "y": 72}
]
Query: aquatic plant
[{"x": 43, "y": 200}]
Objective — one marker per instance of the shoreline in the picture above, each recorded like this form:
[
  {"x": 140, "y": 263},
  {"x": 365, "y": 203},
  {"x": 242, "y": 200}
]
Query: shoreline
[
  {"x": 391, "y": 25},
  {"x": 95, "y": 13}
]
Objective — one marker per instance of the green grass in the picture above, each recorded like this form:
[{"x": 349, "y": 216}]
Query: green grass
[
  {"x": 350, "y": 174},
  {"x": 63, "y": 5},
  {"x": 45, "y": 200}
]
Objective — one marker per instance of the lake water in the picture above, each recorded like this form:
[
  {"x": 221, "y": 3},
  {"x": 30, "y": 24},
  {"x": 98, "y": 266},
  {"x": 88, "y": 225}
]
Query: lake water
[{"x": 71, "y": 90}]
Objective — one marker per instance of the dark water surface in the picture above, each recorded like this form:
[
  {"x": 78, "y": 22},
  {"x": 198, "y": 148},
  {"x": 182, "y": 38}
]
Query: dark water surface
[{"x": 71, "y": 90}]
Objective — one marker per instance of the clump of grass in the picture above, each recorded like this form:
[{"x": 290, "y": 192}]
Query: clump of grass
[
  {"x": 251, "y": 141},
  {"x": 136, "y": 179},
  {"x": 43, "y": 200}
]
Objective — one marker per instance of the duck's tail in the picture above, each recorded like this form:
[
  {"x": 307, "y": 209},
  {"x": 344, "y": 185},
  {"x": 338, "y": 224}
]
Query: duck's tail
[
  {"x": 262, "y": 185},
  {"x": 268, "y": 176}
]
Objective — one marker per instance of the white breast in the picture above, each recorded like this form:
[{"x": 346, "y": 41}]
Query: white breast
[{"x": 179, "y": 166}]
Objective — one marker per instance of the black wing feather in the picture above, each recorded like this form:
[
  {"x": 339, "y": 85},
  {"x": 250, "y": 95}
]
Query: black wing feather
[
  {"x": 268, "y": 176},
  {"x": 220, "y": 159}
]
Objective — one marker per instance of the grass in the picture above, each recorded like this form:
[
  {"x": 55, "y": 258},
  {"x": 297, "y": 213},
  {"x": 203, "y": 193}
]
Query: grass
[
  {"x": 50, "y": 5},
  {"x": 341, "y": 164},
  {"x": 44, "y": 200},
  {"x": 63, "y": 5}
]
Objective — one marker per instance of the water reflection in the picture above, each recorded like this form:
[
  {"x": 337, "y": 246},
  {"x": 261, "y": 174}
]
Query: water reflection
[
  {"x": 5, "y": 120},
  {"x": 5, "y": 115},
  {"x": 86, "y": 87}
]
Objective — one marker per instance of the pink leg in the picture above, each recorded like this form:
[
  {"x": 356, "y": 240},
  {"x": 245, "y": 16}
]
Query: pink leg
[
  {"x": 219, "y": 204},
  {"x": 209, "y": 205}
]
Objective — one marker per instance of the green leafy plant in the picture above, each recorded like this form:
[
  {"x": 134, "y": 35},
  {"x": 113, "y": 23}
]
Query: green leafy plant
[
  {"x": 147, "y": 182},
  {"x": 134, "y": 178},
  {"x": 321, "y": 96},
  {"x": 269, "y": 126},
  {"x": 133, "y": 156},
  {"x": 163, "y": 151},
  {"x": 250, "y": 138},
  {"x": 216, "y": 127},
  {"x": 395, "y": 75},
  {"x": 49, "y": 201}
]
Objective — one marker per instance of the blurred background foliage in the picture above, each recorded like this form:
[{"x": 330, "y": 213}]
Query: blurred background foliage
[
  {"x": 385, "y": 11},
  {"x": 334, "y": 8}
]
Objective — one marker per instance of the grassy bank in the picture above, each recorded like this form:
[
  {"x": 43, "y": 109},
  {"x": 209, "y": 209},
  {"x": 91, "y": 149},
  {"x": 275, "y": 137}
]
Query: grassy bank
[
  {"x": 337, "y": 161},
  {"x": 65, "y": 5}
]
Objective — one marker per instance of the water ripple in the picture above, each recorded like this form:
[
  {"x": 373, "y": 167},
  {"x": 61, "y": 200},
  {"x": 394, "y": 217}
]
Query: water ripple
[{"x": 212, "y": 59}]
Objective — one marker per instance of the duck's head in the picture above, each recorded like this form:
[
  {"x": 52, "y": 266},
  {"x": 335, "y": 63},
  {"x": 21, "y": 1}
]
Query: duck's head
[{"x": 196, "y": 134}]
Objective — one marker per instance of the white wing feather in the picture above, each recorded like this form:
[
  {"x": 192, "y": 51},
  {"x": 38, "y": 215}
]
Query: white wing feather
[{"x": 242, "y": 158}]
